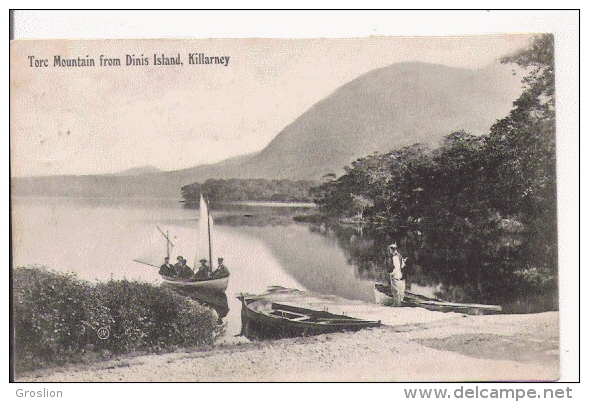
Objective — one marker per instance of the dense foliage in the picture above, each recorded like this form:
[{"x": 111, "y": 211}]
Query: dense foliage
[
  {"x": 57, "y": 318},
  {"x": 232, "y": 190},
  {"x": 479, "y": 213}
]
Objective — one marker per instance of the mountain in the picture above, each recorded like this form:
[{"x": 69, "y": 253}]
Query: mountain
[
  {"x": 138, "y": 170},
  {"x": 384, "y": 109}
]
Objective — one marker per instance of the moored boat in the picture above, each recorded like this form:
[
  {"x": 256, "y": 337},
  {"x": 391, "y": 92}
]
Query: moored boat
[
  {"x": 213, "y": 298},
  {"x": 267, "y": 319},
  {"x": 197, "y": 281},
  {"x": 219, "y": 284},
  {"x": 383, "y": 295}
]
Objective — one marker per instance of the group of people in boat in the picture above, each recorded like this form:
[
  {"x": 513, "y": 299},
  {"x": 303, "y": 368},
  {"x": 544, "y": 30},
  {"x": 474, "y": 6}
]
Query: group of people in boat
[{"x": 181, "y": 270}]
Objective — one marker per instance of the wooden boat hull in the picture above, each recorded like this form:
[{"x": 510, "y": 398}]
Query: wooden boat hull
[
  {"x": 383, "y": 296},
  {"x": 263, "y": 319},
  {"x": 209, "y": 297},
  {"x": 218, "y": 284}
]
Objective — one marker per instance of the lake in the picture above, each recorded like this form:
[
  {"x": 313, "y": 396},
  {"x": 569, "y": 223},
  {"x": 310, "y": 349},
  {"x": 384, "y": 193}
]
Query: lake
[{"x": 98, "y": 239}]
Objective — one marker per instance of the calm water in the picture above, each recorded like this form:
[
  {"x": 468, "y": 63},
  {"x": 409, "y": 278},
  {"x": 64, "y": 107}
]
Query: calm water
[{"x": 262, "y": 245}]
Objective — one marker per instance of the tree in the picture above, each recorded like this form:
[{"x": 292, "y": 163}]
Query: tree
[
  {"x": 479, "y": 213},
  {"x": 191, "y": 193},
  {"x": 522, "y": 157}
]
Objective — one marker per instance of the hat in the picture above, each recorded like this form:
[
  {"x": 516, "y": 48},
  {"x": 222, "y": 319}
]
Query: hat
[
  {"x": 167, "y": 258},
  {"x": 204, "y": 259},
  {"x": 220, "y": 259},
  {"x": 394, "y": 245},
  {"x": 180, "y": 258}
]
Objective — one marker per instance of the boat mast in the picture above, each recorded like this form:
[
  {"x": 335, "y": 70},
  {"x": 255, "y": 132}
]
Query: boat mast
[
  {"x": 209, "y": 233},
  {"x": 168, "y": 242}
]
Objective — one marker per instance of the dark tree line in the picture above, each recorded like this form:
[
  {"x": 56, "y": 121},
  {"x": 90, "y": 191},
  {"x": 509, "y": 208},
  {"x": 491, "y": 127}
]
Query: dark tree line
[
  {"x": 478, "y": 213},
  {"x": 232, "y": 190}
]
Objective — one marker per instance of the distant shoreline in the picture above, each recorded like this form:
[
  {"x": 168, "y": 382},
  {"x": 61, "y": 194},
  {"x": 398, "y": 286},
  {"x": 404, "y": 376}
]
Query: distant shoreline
[
  {"x": 271, "y": 204},
  {"x": 59, "y": 197},
  {"x": 245, "y": 203}
]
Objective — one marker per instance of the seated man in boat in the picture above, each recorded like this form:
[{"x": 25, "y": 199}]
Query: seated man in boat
[
  {"x": 182, "y": 270},
  {"x": 395, "y": 263},
  {"x": 221, "y": 271},
  {"x": 167, "y": 269},
  {"x": 203, "y": 271}
]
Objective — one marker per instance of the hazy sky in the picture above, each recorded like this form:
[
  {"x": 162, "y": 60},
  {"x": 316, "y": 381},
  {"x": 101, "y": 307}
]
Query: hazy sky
[{"x": 68, "y": 120}]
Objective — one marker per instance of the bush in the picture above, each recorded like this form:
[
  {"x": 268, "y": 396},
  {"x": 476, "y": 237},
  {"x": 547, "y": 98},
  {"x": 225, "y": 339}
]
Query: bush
[
  {"x": 152, "y": 318},
  {"x": 57, "y": 318}
]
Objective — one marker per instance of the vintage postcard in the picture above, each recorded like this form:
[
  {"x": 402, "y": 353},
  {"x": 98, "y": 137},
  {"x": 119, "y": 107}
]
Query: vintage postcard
[{"x": 234, "y": 210}]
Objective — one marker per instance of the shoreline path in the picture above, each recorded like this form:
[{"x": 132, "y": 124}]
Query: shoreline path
[{"x": 413, "y": 345}]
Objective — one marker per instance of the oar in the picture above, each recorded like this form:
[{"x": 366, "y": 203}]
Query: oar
[{"x": 146, "y": 263}]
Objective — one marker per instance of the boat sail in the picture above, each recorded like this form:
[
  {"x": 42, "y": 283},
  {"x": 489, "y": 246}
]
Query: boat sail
[
  {"x": 205, "y": 243},
  {"x": 204, "y": 250}
]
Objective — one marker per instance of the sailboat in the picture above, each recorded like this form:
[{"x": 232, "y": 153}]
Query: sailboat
[{"x": 205, "y": 250}]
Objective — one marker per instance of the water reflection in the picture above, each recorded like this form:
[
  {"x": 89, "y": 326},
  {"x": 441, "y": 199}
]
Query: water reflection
[
  {"x": 263, "y": 245},
  {"x": 258, "y": 214},
  {"x": 311, "y": 259},
  {"x": 212, "y": 298},
  {"x": 367, "y": 253}
]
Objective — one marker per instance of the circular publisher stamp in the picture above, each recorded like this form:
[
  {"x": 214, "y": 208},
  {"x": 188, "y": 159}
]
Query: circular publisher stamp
[{"x": 103, "y": 333}]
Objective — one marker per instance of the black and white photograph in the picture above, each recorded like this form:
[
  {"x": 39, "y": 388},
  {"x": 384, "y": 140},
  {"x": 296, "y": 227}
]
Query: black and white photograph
[{"x": 382, "y": 208}]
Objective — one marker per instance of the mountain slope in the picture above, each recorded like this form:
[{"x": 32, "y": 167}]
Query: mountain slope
[
  {"x": 384, "y": 109},
  {"x": 138, "y": 170}
]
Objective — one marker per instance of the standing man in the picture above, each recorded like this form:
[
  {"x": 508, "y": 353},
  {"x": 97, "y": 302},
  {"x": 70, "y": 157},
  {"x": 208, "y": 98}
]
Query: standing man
[
  {"x": 395, "y": 265},
  {"x": 167, "y": 269}
]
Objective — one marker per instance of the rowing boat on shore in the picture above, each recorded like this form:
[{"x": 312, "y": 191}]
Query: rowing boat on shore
[
  {"x": 266, "y": 319},
  {"x": 383, "y": 295}
]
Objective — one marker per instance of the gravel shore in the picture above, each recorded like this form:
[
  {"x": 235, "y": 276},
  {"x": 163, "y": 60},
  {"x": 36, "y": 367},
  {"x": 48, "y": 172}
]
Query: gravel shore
[{"x": 451, "y": 348}]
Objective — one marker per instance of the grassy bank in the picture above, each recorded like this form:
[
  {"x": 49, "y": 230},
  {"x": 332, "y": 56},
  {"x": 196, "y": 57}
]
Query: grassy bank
[{"x": 58, "y": 318}]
